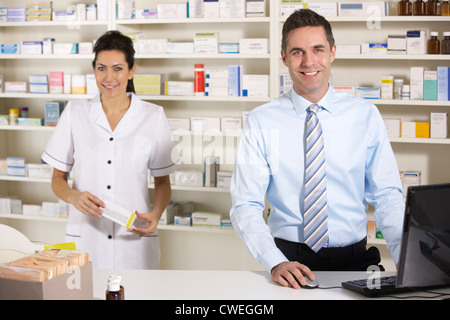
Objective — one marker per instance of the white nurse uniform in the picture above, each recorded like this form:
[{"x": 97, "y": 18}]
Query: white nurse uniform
[{"x": 113, "y": 165}]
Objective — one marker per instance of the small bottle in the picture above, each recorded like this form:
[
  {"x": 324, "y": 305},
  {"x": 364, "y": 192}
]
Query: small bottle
[
  {"x": 445, "y": 45},
  {"x": 431, "y": 8},
  {"x": 116, "y": 278},
  {"x": 199, "y": 83},
  {"x": 445, "y": 8},
  {"x": 13, "y": 116},
  {"x": 419, "y": 8},
  {"x": 114, "y": 292},
  {"x": 405, "y": 92},
  {"x": 404, "y": 8},
  {"x": 24, "y": 112},
  {"x": 434, "y": 45},
  {"x": 398, "y": 85}
]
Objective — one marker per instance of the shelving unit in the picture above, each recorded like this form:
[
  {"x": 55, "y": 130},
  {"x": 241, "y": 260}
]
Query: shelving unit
[{"x": 428, "y": 155}]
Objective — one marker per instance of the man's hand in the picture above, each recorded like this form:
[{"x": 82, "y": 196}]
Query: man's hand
[{"x": 291, "y": 274}]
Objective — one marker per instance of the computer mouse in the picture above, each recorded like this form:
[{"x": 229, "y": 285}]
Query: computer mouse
[{"x": 310, "y": 284}]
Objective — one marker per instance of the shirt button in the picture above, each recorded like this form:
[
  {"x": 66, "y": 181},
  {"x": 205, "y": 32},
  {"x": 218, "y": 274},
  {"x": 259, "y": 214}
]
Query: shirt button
[
  {"x": 109, "y": 236},
  {"x": 108, "y": 187},
  {"x": 111, "y": 139},
  {"x": 109, "y": 161}
]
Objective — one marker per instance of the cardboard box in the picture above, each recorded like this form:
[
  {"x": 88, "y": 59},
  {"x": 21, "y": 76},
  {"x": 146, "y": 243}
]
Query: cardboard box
[{"x": 75, "y": 285}]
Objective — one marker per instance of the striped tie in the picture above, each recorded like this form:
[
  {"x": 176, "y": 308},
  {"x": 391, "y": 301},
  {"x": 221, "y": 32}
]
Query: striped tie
[{"x": 315, "y": 217}]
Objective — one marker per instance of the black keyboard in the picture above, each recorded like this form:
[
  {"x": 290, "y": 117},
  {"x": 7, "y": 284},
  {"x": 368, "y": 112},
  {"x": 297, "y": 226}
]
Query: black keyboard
[{"x": 374, "y": 287}]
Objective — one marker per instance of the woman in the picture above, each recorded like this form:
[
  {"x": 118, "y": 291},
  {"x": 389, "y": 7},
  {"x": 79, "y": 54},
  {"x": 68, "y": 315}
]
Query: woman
[{"x": 110, "y": 142}]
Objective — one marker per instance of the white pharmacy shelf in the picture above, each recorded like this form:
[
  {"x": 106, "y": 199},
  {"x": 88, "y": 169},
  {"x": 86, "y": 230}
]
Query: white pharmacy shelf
[
  {"x": 160, "y": 226},
  {"x": 431, "y": 57},
  {"x": 69, "y": 24},
  {"x": 192, "y": 20},
  {"x": 16, "y": 95},
  {"x": 217, "y": 133},
  {"x": 385, "y": 19},
  {"x": 150, "y": 186}
]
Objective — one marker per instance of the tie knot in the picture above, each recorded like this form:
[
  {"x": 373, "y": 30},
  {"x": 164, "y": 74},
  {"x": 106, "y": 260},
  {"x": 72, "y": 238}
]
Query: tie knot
[{"x": 314, "y": 108}]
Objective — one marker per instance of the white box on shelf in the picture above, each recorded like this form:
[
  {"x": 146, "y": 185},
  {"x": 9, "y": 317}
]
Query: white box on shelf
[{"x": 438, "y": 125}]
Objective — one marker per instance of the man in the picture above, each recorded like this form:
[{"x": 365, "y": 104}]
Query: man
[{"x": 358, "y": 167}]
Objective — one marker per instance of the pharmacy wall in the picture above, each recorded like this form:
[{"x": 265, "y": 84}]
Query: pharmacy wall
[{"x": 46, "y": 60}]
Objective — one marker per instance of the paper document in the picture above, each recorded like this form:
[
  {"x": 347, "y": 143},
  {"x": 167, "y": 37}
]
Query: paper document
[{"x": 118, "y": 214}]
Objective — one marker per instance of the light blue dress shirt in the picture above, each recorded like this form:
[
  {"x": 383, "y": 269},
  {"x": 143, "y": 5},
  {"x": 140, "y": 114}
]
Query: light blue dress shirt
[{"x": 360, "y": 166}]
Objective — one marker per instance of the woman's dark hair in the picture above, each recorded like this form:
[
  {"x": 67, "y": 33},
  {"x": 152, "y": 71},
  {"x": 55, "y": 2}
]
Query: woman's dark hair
[
  {"x": 305, "y": 18},
  {"x": 115, "y": 40}
]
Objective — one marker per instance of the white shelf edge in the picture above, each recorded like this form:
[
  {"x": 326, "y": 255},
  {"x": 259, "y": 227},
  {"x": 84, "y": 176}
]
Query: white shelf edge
[
  {"x": 172, "y": 227},
  {"x": 383, "y": 19},
  {"x": 202, "y": 56},
  {"x": 27, "y": 95},
  {"x": 209, "y": 133},
  {"x": 406, "y": 57},
  {"x": 18, "y": 56},
  {"x": 191, "y": 20},
  {"x": 51, "y": 23}
]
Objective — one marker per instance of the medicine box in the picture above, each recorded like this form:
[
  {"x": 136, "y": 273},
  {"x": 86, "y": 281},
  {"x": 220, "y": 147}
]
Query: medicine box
[
  {"x": 16, "y": 86},
  {"x": 210, "y": 167},
  {"x": 416, "y": 42},
  {"x": 410, "y": 178},
  {"x": 255, "y": 85},
  {"x": 232, "y": 8},
  {"x": 396, "y": 44},
  {"x": 206, "y": 219},
  {"x": 438, "y": 125},
  {"x": 206, "y": 42},
  {"x": 205, "y": 123},
  {"x": 154, "y": 46},
  {"x": 149, "y": 83},
  {"x": 179, "y": 88},
  {"x": 184, "y": 220},
  {"x": 9, "y": 48},
  {"x": 368, "y": 93},
  {"x": 53, "y": 110},
  {"x": 56, "y": 81},
  {"x": 191, "y": 178},
  {"x": 412, "y": 129},
  {"x": 224, "y": 179},
  {"x": 443, "y": 75},
  {"x": 179, "y": 124},
  {"x": 172, "y": 11},
  {"x": 254, "y": 46},
  {"x": 326, "y": 9},
  {"x": 38, "y": 83},
  {"x": 256, "y": 8},
  {"x": 10, "y": 205},
  {"x": 393, "y": 127},
  {"x": 289, "y": 6},
  {"x": 416, "y": 82},
  {"x": 381, "y": 8},
  {"x": 430, "y": 85},
  {"x": 387, "y": 87},
  {"x": 231, "y": 123}
]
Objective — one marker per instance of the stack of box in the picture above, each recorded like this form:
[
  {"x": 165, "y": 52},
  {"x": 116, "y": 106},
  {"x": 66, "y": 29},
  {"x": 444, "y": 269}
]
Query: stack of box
[
  {"x": 3, "y": 14},
  {"x": 211, "y": 166},
  {"x": 16, "y": 166},
  {"x": 232, "y": 8},
  {"x": 206, "y": 43},
  {"x": 10, "y": 205},
  {"x": 16, "y": 15},
  {"x": 38, "y": 83},
  {"x": 216, "y": 83},
  {"x": 38, "y": 11}
]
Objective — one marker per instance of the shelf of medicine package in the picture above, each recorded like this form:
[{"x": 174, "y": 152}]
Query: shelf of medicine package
[
  {"x": 385, "y": 19},
  {"x": 16, "y": 95},
  {"x": 70, "y": 24},
  {"x": 432, "y": 57},
  {"x": 150, "y": 186},
  {"x": 193, "y": 20}
]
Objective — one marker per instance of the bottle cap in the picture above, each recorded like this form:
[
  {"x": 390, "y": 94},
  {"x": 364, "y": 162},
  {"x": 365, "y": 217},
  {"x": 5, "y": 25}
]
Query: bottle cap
[
  {"x": 113, "y": 285},
  {"x": 434, "y": 33},
  {"x": 447, "y": 34}
]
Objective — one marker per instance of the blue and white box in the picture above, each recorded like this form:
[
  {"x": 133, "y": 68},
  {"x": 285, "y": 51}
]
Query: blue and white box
[
  {"x": 53, "y": 110},
  {"x": 235, "y": 79},
  {"x": 443, "y": 83}
]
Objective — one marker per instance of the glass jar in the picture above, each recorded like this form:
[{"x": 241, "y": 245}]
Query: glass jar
[
  {"x": 431, "y": 8},
  {"x": 445, "y": 45},
  {"x": 434, "y": 45},
  {"x": 445, "y": 8},
  {"x": 13, "y": 116},
  {"x": 419, "y": 8},
  {"x": 404, "y": 8}
]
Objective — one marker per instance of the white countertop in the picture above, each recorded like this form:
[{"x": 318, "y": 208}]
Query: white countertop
[{"x": 222, "y": 285}]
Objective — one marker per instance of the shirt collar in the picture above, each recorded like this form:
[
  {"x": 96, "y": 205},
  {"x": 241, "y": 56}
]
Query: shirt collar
[{"x": 301, "y": 104}]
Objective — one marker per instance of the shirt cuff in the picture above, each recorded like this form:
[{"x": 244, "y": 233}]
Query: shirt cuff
[{"x": 272, "y": 258}]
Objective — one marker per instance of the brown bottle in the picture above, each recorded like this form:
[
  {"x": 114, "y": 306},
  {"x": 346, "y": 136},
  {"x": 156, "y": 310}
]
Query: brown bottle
[
  {"x": 445, "y": 45},
  {"x": 114, "y": 292},
  {"x": 431, "y": 8},
  {"x": 419, "y": 8},
  {"x": 434, "y": 46},
  {"x": 445, "y": 8},
  {"x": 404, "y": 8}
]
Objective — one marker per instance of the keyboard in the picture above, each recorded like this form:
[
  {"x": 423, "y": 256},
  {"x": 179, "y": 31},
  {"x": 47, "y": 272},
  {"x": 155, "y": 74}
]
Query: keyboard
[{"x": 374, "y": 287}]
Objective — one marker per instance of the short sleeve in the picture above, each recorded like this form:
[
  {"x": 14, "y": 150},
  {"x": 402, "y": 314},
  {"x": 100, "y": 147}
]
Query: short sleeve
[
  {"x": 59, "y": 150},
  {"x": 165, "y": 159}
]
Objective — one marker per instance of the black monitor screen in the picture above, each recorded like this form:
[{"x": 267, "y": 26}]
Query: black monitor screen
[{"x": 425, "y": 252}]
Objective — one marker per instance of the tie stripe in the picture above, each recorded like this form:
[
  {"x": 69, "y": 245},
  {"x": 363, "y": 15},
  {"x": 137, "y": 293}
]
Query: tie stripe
[{"x": 315, "y": 206}]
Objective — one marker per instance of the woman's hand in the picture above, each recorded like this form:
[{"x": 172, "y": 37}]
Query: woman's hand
[
  {"x": 87, "y": 203},
  {"x": 151, "y": 220}
]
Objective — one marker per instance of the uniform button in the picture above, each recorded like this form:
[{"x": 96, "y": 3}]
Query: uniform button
[
  {"x": 111, "y": 139},
  {"x": 108, "y": 187},
  {"x": 109, "y": 236},
  {"x": 109, "y": 161}
]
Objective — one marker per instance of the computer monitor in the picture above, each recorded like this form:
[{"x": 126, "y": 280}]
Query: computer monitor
[{"x": 425, "y": 251}]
